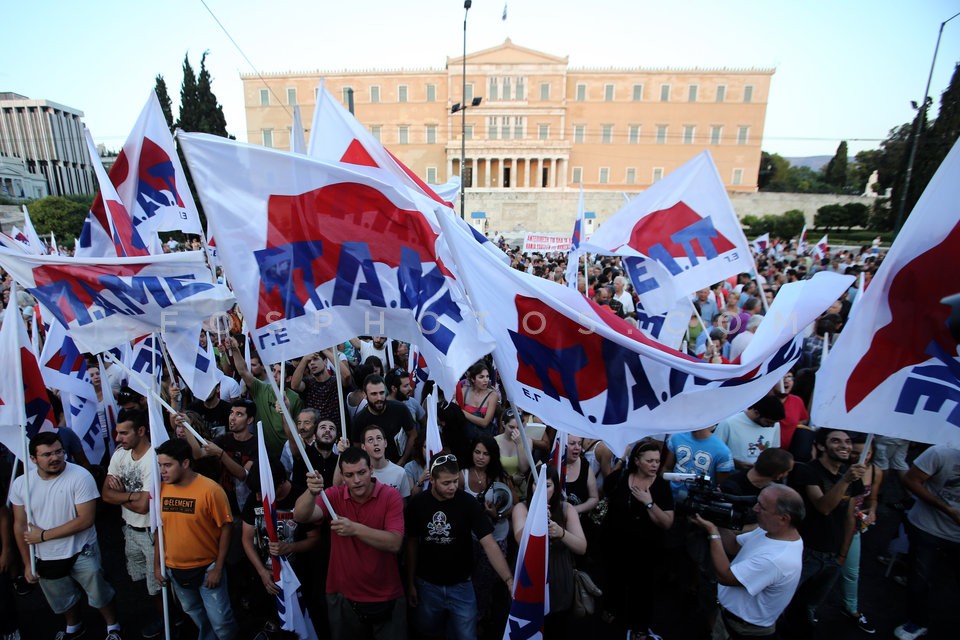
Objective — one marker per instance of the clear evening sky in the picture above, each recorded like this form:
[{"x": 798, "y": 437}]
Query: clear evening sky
[{"x": 845, "y": 69}]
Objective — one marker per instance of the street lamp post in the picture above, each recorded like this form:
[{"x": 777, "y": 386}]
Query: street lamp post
[
  {"x": 463, "y": 113},
  {"x": 921, "y": 111}
]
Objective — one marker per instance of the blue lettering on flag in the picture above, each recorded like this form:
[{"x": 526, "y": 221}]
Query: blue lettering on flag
[{"x": 941, "y": 383}]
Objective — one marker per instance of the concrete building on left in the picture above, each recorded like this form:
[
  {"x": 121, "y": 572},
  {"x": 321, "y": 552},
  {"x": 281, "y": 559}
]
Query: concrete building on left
[{"x": 42, "y": 151}]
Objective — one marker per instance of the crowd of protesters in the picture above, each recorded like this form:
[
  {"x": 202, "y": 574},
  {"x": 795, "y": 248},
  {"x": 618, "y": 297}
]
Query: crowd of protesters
[{"x": 427, "y": 549}]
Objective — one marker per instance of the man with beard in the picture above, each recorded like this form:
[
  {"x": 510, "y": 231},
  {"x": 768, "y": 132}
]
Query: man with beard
[
  {"x": 377, "y": 346},
  {"x": 400, "y": 389},
  {"x": 391, "y": 415},
  {"x": 827, "y": 485},
  {"x": 63, "y": 499},
  {"x": 318, "y": 437},
  {"x": 236, "y": 450},
  {"x": 319, "y": 387}
]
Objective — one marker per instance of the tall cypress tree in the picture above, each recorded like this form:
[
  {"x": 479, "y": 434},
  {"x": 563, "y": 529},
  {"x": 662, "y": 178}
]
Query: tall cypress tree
[
  {"x": 212, "y": 119},
  {"x": 164, "y": 97},
  {"x": 189, "y": 99},
  {"x": 835, "y": 173}
]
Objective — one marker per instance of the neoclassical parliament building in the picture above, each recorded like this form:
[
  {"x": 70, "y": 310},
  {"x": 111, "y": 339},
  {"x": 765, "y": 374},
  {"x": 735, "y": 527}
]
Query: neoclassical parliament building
[{"x": 540, "y": 130}]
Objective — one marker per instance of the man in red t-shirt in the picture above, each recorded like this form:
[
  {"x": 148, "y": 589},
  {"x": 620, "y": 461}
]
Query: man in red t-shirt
[{"x": 364, "y": 592}]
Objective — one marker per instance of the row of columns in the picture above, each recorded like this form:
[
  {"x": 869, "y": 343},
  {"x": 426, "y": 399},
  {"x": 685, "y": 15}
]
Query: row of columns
[{"x": 532, "y": 174}]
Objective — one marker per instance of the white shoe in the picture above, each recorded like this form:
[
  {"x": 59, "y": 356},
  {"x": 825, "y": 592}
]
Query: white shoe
[{"x": 909, "y": 631}]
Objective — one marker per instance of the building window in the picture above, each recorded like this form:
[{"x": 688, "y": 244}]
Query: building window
[
  {"x": 631, "y": 175},
  {"x": 737, "y": 177},
  {"x": 376, "y": 131},
  {"x": 468, "y": 93},
  {"x": 637, "y": 92},
  {"x": 375, "y": 94},
  {"x": 634, "y": 134},
  {"x": 748, "y": 93},
  {"x": 581, "y": 92},
  {"x": 346, "y": 95},
  {"x": 431, "y": 175},
  {"x": 468, "y": 132},
  {"x": 267, "y": 137},
  {"x": 577, "y": 175},
  {"x": 604, "y": 175},
  {"x": 692, "y": 91},
  {"x": 494, "y": 89},
  {"x": 657, "y": 174},
  {"x": 743, "y": 135},
  {"x": 661, "y": 134},
  {"x": 607, "y": 136},
  {"x": 402, "y": 93},
  {"x": 403, "y": 135},
  {"x": 505, "y": 127},
  {"x": 431, "y": 134},
  {"x": 608, "y": 93},
  {"x": 518, "y": 128},
  {"x": 291, "y": 96},
  {"x": 431, "y": 93},
  {"x": 506, "y": 89},
  {"x": 715, "y": 132},
  {"x": 491, "y": 128},
  {"x": 688, "y": 133},
  {"x": 664, "y": 93},
  {"x": 721, "y": 92},
  {"x": 544, "y": 91},
  {"x": 521, "y": 88},
  {"x": 543, "y": 132},
  {"x": 579, "y": 133},
  {"x": 264, "y": 97}
]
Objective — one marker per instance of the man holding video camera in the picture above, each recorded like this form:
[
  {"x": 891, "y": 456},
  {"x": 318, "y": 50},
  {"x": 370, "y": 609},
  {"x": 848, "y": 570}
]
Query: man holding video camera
[{"x": 758, "y": 584}]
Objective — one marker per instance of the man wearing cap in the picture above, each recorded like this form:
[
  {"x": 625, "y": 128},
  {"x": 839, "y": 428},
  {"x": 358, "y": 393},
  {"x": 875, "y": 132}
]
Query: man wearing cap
[{"x": 752, "y": 431}]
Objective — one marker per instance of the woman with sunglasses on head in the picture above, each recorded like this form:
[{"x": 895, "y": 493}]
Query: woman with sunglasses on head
[
  {"x": 514, "y": 459},
  {"x": 633, "y": 534}
]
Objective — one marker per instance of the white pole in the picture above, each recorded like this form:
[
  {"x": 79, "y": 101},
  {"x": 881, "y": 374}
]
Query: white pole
[
  {"x": 866, "y": 449},
  {"x": 341, "y": 410},
  {"x": 26, "y": 481}
]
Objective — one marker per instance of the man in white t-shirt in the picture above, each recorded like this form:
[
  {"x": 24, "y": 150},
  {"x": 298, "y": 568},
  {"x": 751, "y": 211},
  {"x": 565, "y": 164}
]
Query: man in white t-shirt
[
  {"x": 751, "y": 431},
  {"x": 63, "y": 501},
  {"x": 758, "y": 585},
  {"x": 374, "y": 442},
  {"x": 128, "y": 485}
]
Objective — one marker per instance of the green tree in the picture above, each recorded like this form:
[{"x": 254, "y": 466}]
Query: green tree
[
  {"x": 864, "y": 164},
  {"x": 829, "y": 216},
  {"x": 881, "y": 216},
  {"x": 773, "y": 172},
  {"x": 164, "y": 97},
  {"x": 190, "y": 114},
  {"x": 789, "y": 223},
  {"x": 855, "y": 214},
  {"x": 212, "y": 119},
  {"x": 835, "y": 173},
  {"x": 63, "y": 216}
]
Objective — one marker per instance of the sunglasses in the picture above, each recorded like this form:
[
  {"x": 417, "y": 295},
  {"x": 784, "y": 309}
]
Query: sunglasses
[{"x": 441, "y": 460}]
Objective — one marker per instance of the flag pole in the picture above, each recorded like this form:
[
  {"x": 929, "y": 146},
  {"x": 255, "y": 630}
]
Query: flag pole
[
  {"x": 297, "y": 439},
  {"x": 158, "y": 398},
  {"x": 18, "y": 372},
  {"x": 163, "y": 569},
  {"x": 340, "y": 409},
  {"x": 523, "y": 437}
]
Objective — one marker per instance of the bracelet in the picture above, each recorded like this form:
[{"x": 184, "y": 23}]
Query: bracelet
[
  {"x": 713, "y": 536},
  {"x": 42, "y": 532},
  {"x": 563, "y": 534}
]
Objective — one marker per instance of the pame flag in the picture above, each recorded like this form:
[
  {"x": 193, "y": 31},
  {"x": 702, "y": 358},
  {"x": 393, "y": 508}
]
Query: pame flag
[
  {"x": 23, "y": 396},
  {"x": 531, "y": 597},
  {"x": 761, "y": 244},
  {"x": 319, "y": 252},
  {"x": 83, "y": 418},
  {"x": 684, "y": 224},
  {"x": 104, "y": 302},
  {"x": 895, "y": 370},
  {"x": 150, "y": 181},
  {"x": 582, "y": 369},
  {"x": 196, "y": 364},
  {"x": 145, "y": 361},
  {"x": 63, "y": 365}
]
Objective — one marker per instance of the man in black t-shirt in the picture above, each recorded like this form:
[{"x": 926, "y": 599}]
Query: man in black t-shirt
[
  {"x": 772, "y": 466},
  {"x": 827, "y": 485},
  {"x": 440, "y": 525},
  {"x": 392, "y": 416}
]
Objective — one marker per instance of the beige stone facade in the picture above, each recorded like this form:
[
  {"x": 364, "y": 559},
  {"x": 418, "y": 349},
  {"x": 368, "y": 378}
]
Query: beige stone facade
[{"x": 541, "y": 125}]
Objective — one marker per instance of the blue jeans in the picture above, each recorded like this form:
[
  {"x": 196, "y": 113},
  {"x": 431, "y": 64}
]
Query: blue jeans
[
  {"x": 850, "y": 573},
  {"x": 819, "y": 574},
  {"x": 209, "y": 609},
  {"x": 930, "y": 554},
  {"x": 458, "y": 601}
]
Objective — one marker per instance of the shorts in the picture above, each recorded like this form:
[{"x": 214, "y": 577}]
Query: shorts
[
  {"x": 891, "y": 453},
  {"x": 87, "y": 574},
  {"x": 138, "y": 547}
]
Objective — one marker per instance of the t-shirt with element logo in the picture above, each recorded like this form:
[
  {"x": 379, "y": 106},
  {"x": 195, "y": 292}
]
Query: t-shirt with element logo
[{"x": 192, "y": 518}]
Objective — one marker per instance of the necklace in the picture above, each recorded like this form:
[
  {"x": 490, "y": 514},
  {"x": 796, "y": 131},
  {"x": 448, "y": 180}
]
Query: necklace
[{"x": 479, "y": 479}]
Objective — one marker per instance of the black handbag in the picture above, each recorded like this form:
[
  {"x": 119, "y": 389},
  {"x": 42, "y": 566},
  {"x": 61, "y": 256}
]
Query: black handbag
[
  {"x": 372, "y": 612},
  {"x": 55, "y": 569},
  {"x": 189, "y": 578}
]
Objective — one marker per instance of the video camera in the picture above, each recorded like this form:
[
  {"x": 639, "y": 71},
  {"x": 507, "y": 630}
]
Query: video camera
[{"x": 724, "y": 510}]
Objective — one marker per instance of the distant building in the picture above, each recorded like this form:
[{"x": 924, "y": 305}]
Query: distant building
[
  {"x": 541, "y": 126},
  {"x": 48, "y": 138},
  {"x": 16, "y": 183}
]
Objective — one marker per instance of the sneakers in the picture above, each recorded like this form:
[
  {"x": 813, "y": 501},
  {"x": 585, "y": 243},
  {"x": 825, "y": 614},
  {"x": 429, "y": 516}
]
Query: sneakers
[
  {"x": 22, "y": 587},
  {"x": 13, "y": 635},
  {"x": 113, "y": 635},
  {"x": 151, "y": 630},
  {"x": 66, "y": 635},
  {"x": 909, "y": 631},
  {"x": 861, "y": 621}
]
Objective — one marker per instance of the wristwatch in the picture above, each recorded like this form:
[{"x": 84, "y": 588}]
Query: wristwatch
[{"x": 650, "y": 505}]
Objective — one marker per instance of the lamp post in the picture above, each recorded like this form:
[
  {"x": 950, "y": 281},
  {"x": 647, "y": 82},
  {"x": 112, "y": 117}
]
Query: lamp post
[
  {"x": 463, "y": 113},
  {"x": 462, "y": 108},
  {"x": 921, "y": 112}
]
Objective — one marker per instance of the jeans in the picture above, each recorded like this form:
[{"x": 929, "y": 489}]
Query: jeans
[
  {"x": 209, "y": 609},
  {"x": 850, "y": 575},
  {"x": 928, "y": 553},
  {"x": 819, "y": 574},
  {"x": 457, "y": 600},
  {"x": 63, "y": 594}
]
